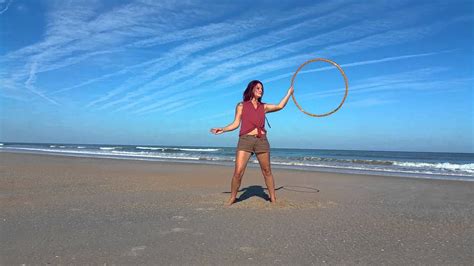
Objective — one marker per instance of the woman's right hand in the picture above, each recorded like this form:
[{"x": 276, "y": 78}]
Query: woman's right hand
[{"x": 217, "y": 131}]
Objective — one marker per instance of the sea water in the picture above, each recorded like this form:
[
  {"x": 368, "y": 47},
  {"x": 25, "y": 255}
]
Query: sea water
[{"x": 435, "y": 165}]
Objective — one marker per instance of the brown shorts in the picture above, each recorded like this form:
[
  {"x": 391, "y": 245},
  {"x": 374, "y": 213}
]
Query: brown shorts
[{"x": 250, "y": 143}]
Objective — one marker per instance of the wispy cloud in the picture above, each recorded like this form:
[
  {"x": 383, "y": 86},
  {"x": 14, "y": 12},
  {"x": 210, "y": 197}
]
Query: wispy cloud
[
  {"x": 425, "y": 79},
  {"x": 29, "y": 84},
  {"x": 370, "y": 102},
  {"x": 377, "y": 40},
  {"x": 360, "y": 63},
  {"x": 204, "y": 48},
  {"x": 76, "y": 32},
  {"x": 264, "y": 64},
  {"x": 4, "y": 5},
  {"x": 210, "y": 67},
  {"x": 229, "y": 31}
]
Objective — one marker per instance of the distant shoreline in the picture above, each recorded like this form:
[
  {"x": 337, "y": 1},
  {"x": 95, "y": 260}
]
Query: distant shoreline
[
  {"x": 252, "y": 165},
  {"x": 217, "y": 147}
]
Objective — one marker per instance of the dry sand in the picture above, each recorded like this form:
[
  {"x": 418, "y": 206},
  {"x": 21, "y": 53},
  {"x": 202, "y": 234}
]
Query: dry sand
[{"x": 60, "y": 210}]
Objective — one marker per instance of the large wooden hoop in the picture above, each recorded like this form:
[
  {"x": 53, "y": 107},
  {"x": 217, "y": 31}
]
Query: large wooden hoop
[{"x": 345, "y": 81}]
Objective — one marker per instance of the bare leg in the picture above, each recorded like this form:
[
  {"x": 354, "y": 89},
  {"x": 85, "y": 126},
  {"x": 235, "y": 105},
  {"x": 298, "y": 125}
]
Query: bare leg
[
  {"x": 241, "y": 159},
  {"x": 264, "y": 160}
]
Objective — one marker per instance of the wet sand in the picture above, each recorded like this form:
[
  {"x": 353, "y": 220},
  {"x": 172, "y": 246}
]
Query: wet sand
[{"x": 57, "y": 209}]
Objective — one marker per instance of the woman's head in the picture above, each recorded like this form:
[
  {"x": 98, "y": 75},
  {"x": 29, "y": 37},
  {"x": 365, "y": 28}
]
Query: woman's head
[{"x": 254, "y": 89}]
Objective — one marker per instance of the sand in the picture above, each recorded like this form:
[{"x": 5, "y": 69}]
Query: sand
[{"x": 58, "y": 210}]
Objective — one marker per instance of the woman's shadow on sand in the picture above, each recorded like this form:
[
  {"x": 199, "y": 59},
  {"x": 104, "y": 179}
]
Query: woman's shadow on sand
[{"x": 259, "y": 191}]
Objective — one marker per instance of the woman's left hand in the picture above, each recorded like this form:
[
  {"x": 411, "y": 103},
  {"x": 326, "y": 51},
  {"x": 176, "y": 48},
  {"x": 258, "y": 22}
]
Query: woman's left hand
[{"x": 291, "y": 90}]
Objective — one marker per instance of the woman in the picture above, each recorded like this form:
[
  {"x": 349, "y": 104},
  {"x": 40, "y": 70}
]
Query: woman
[{"x": 252, "y": 137}]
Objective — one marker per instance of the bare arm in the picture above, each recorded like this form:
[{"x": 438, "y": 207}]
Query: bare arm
[
  {"x": 233, "y": 125},
  {"x": 274, "y": 108}
]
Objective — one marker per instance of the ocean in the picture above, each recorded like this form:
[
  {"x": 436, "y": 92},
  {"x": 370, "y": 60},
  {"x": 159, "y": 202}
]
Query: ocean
[{"x": 431, "y": 165}]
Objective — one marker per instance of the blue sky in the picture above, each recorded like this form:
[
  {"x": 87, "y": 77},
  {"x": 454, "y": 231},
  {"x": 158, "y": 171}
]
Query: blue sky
[{"x": 165, "y": 72}]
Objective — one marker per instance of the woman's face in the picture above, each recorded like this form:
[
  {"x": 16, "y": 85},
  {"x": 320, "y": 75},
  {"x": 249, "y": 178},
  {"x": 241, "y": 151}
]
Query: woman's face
[{"x": 257, "y": 91}]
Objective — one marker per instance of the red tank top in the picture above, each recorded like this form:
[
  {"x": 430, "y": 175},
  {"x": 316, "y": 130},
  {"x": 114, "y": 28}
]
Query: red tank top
[{"x": 252, "y": 118}]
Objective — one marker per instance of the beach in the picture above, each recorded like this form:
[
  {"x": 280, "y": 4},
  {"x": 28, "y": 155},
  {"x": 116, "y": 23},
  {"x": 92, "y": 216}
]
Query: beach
[{"x": 58, "y": 209}]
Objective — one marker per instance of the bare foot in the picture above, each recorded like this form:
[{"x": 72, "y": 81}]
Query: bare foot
[
  {"x": 230, "y": 201},
  {"x": 273, "y": 200}
]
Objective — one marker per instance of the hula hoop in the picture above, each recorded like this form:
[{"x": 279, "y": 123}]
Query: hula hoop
[{"x": 345, "y": 81}]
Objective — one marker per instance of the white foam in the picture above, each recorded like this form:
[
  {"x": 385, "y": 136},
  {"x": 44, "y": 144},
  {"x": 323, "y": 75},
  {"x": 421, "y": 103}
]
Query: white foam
[
  {"x": 107, "y": 148},
  {"x": 155, "y": 155},
  {"x": 469, "y": 167},
  {"x": 414, "y": 171},
  {"x": 177, "y": 149},
  {"x": 149, "y": 148},
  {"x": 117, "y": 153},
  {"x": 186, "y": 149}
]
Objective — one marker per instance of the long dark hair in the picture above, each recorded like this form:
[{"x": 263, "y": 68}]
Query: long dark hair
[{"x": 248, "y": 93}]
